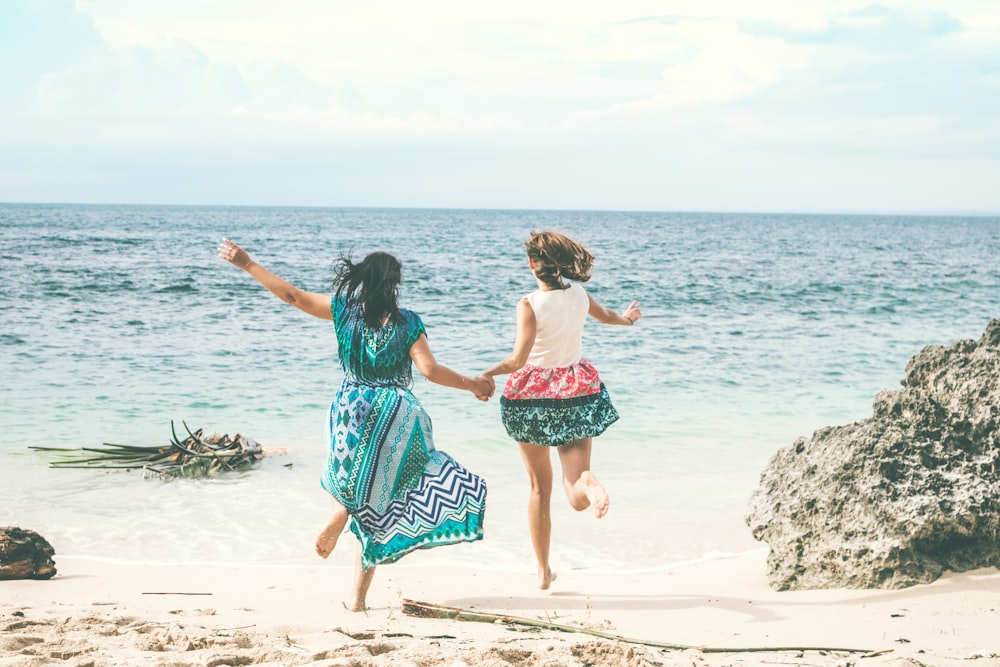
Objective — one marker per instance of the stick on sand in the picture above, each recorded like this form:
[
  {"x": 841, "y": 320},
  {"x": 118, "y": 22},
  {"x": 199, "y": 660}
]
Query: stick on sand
[{"x": 427, "y": 610}]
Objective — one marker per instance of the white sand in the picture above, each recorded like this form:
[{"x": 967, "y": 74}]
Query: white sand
[{"x": 97, "y": 614}]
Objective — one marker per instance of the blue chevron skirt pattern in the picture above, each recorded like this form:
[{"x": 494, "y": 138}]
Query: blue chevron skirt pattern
[{"x": 401, "y": 492}]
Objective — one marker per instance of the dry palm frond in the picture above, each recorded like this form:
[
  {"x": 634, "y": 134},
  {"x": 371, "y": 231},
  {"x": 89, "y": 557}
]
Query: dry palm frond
[{"x": 195, "y": 456}]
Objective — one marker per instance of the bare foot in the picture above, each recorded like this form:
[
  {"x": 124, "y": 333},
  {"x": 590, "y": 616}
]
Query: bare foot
[
  {"x": 328, "y": 537},
  {"x": 546, "y": 578},
  {"x": 355, "y": 607},
  {"x": 598, "y": 497}
]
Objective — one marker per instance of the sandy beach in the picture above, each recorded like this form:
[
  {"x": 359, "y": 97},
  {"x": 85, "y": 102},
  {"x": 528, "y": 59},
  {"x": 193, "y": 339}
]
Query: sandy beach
[{"x": 102, "y": 613}]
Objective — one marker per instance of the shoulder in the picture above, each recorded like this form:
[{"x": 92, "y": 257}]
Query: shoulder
[
  {"x": 412, "y": 321},
  {"x": 528, "y": 302}
]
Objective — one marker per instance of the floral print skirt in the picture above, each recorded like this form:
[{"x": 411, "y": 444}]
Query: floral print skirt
[{"x": 556, "y": 406}]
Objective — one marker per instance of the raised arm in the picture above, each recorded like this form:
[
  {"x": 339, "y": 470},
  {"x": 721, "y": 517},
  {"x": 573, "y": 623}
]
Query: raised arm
[
  {"x": 423, "y": 359},
  {"x": 608, "y": 316},
  {"x": 527, "y": 327},
  {"x": 317, "y": 305}
]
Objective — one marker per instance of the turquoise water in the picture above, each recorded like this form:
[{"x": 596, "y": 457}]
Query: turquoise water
[{"x": 757, "y": 329}]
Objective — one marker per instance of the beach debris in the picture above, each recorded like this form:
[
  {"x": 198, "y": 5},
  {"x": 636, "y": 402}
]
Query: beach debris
[
  {"x": 898, "y": 498},
  {"x": 24, "y": 554},
  {"x": 197, "y": 455},
  {"x": 984, "y": 653},
  {"x": 876, "y": 654},
  {"x": 430, "y": 610}
]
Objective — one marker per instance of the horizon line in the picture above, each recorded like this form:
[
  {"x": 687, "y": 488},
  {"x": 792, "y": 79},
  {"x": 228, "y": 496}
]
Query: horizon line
[{"x": 844, "y": 212}]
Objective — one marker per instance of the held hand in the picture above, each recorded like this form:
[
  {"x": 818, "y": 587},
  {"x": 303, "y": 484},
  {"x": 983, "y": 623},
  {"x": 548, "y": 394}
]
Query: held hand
[
  {"x": 483, "y": 387},
  {"x": 234, "y": 254},
  {"x": 632, "y": 313}
]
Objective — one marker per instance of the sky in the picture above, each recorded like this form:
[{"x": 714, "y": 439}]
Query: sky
[{"x": 715, "y": 105}]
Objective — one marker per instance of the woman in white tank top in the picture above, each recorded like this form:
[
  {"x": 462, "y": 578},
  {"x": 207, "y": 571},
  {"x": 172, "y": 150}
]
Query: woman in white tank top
[{"x": 554, "y": 397}]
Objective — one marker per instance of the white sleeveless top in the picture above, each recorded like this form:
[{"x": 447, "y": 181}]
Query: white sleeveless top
[{"x": 560, "y": 315}]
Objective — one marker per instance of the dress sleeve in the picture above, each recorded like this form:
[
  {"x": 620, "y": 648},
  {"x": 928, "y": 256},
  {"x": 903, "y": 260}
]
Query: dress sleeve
[
  {"x": 337, "y": 310},
  {"x": 414, "y": 327}
]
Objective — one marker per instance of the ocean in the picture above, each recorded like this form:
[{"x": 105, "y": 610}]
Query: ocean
[{"x": 117, "y": 320}]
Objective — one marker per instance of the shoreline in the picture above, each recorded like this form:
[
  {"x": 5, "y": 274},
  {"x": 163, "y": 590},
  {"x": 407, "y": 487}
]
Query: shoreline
[
  {"x": 439, "y": 560},
  {"x": 99, "y": 614}
]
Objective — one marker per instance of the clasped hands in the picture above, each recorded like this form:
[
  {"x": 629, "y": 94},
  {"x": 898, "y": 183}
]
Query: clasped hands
[{"x": 483, "y": 387}]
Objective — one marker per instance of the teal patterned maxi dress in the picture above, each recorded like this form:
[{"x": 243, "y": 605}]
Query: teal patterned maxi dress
[{"x": 401, "y": 493}]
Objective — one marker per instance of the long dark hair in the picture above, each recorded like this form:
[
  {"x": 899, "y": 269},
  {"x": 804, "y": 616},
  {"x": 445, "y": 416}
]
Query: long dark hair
[
  {"x": 373, "y": 283},
  {"x": 556, "y": 256}
]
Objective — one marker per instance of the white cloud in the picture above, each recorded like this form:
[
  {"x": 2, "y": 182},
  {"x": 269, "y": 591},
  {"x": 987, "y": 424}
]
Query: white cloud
[{"x": 728, "y": 65}]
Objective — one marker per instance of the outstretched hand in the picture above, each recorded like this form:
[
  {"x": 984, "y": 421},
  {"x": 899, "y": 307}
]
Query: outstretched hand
[
  {"x": 234, "y": 254},
  {"x": 483, "y": 387},
  {"x": 633, "y": 313}
]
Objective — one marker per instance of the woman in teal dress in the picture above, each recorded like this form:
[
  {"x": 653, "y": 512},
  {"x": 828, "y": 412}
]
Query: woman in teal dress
[{"x": 386, "y": 478}]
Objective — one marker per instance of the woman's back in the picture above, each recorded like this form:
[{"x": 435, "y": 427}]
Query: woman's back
[
  {"x": 379, "y": 358},
  {"x": 559, "y": 319}
]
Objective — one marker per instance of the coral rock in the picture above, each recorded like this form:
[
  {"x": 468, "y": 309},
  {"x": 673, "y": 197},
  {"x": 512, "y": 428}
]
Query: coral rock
[
  {"x": 24, "y": 554},
  {"x": 898, "y": 498}
]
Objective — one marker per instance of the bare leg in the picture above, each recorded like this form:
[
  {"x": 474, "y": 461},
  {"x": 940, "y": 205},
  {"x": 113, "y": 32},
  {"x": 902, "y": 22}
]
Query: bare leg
[
  {"x": 328, "y": 537},
  {"x": 538, "y": 463},
  {"x": 581, "y": 486},
  {"x": 362, "y": 580}
]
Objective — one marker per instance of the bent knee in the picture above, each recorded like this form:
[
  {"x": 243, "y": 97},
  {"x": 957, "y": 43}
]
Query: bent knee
[{"x": 578, "y": 501}]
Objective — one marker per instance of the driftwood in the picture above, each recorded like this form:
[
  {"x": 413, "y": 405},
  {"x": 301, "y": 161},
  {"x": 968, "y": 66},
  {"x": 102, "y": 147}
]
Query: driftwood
[
  {"x": 195, "y": 456},
  {"x": 427, "y": 610}
]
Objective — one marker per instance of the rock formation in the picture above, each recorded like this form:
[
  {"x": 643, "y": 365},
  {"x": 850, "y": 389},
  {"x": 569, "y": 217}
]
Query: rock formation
[
  {"x": 898, "y": 498},
  {"x": 24, "y": 554}
]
